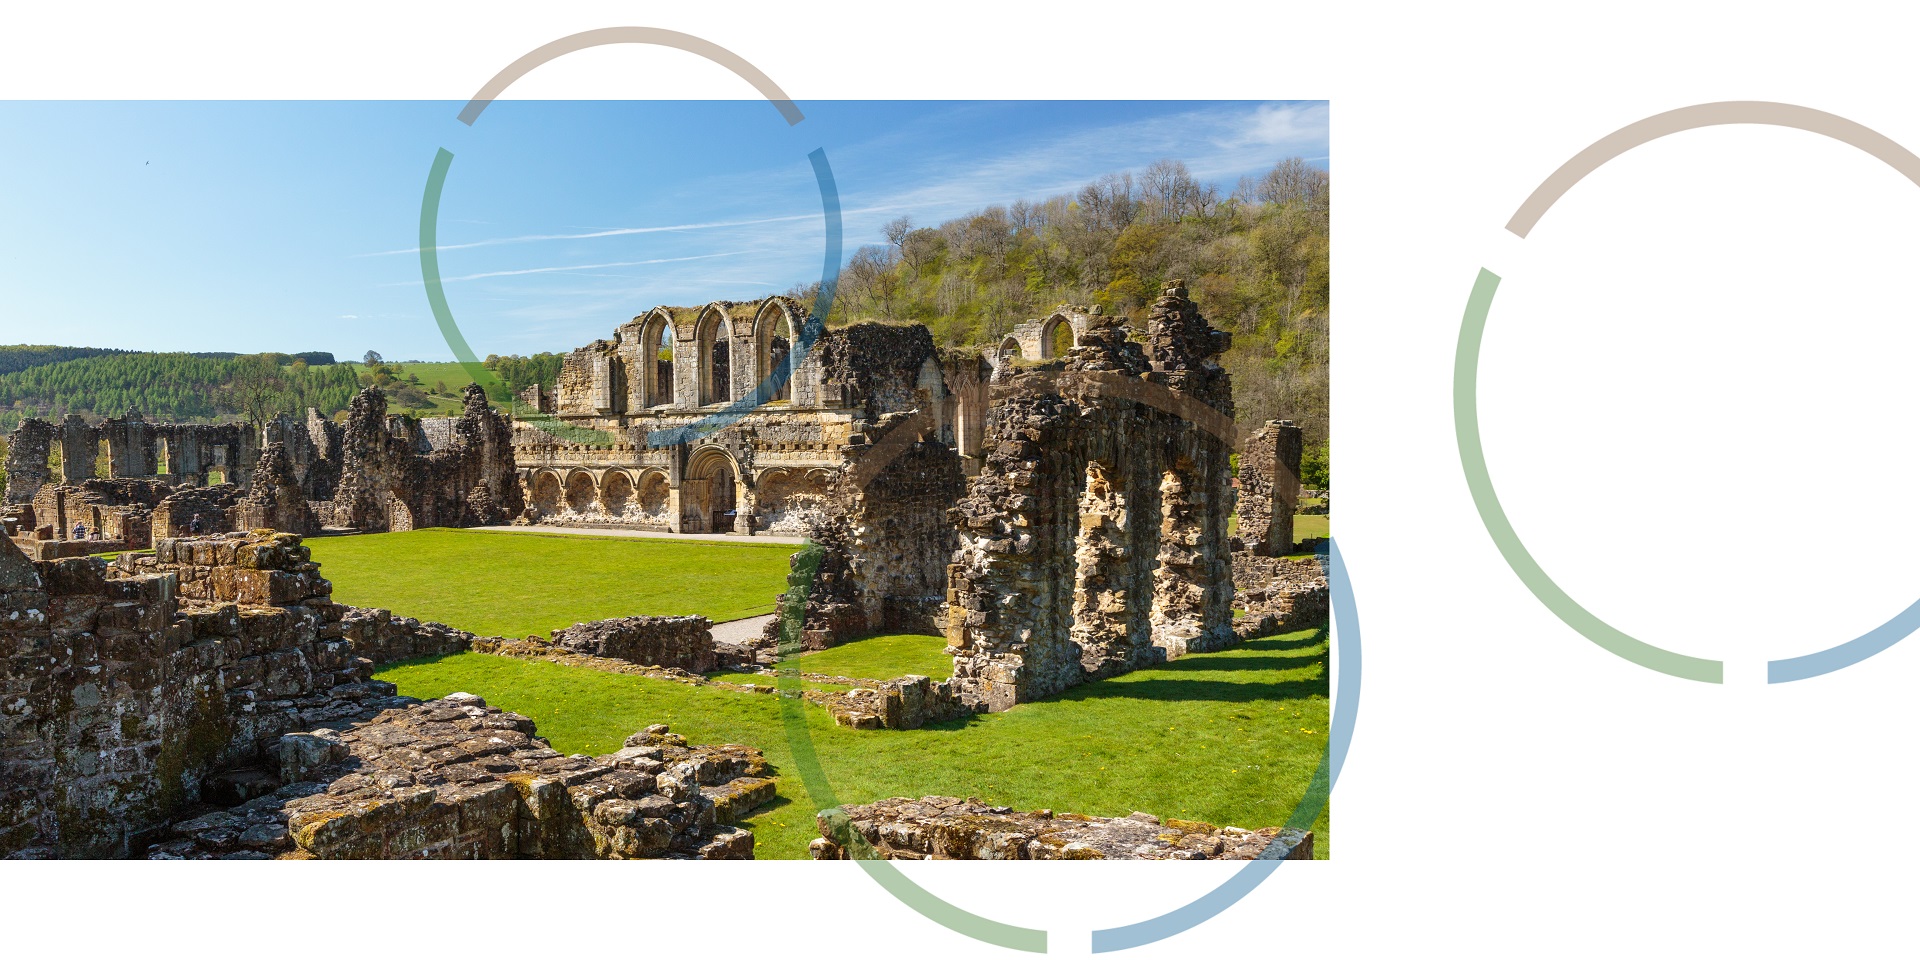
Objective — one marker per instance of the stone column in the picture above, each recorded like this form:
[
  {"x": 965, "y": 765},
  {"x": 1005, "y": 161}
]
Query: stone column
[
  {"x": 28, "y": 451},
  {"x": 79, "y": 447},
  {"x": 1270, "y": 488}
]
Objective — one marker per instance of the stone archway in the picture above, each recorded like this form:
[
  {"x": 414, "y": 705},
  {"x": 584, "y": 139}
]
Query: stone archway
[
  {"x": 709, "y": 493},
  {"x": 616, "y": 493},
  {"x": 545, "y": 494},
  {"x": 653, "y": 500},
  {"x": 580, "y": 492}
]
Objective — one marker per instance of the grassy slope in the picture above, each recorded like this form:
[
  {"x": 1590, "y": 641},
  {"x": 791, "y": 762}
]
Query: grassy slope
[
  {"x": 517, "y": 584},
  {"x": 1230, "y": 737}
]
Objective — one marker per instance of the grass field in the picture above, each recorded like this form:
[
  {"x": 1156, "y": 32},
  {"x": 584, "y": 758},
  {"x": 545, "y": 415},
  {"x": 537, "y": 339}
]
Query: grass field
[
  {"x": 518, "y": 584},
  {"x": 1230, "y": 737},
  {"x": 1307, "y": 526}
]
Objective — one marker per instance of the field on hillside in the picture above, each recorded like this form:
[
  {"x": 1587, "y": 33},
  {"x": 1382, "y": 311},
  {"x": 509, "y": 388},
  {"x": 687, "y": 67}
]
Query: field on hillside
[
  {"x": 1230, "y": 738},
  {"x": 517, "y": 584}
]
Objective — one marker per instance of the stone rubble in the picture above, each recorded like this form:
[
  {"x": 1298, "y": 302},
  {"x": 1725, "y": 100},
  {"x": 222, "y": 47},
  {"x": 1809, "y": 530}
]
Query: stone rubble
[
  {"x": 457, "y": 779},
  {"x": 949, "y": 828}
]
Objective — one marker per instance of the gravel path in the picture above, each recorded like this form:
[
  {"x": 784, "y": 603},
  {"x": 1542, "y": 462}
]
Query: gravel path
[
  {"x": 739, "y": 631},
  {"x": 646, "y": 534}
]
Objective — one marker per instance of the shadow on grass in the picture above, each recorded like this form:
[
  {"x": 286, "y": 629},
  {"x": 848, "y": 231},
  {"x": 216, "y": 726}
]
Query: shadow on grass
[
  {"x": 1215, "y": 691},
  {"x": 380, "y": 668}
]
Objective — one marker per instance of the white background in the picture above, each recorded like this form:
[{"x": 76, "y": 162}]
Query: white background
[{"x": 1698, "y": 413}]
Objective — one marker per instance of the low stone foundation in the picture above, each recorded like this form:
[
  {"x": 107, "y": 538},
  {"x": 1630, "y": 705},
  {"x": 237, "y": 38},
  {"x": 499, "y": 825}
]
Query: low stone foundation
[
  {"x": 1279, "y": 594},
  {"x": 132, "y": 691},
  {"x": 907, "y": 703},
  {"x": 685, "y": 643},
  {"x": 457, "y": 779},
  {"x": 948, "y": 828}
]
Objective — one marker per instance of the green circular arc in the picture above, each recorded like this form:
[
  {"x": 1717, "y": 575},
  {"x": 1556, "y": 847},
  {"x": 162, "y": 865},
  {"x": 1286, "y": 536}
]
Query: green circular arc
[{"x": 1473, "y": 460}]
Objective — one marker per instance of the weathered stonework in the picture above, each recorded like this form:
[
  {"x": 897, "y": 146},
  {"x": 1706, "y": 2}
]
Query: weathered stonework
[
  {"x": 704, "y": 442},
  {"x": 685, "y": 643},
  {"x": 883, "y": 538},
  {"x": 1093, "y": 542},
  {"x": 905, "y": 703},
  {"x": 1269, "y": 489},
  {"x": 128, "y": 690},
  {"x": 392, "y": 478},
  {"x": 457, "y": 779},
  {"x": 1279, "y": 594},
  {"x": 377, "y": 473},
  {"x": 948, "y": 828}
]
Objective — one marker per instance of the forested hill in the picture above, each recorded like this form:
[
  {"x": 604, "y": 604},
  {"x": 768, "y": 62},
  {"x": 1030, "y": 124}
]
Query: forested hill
[
  {"x": 1255, "y": 260},
  {"x": 23, "y": 356},
  {"x": 176, "y": 386}
]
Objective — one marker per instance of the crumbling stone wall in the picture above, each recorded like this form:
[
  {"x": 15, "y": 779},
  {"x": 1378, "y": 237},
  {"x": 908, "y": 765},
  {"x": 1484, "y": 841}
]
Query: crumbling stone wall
[
  {"x": 388, "y": 483},
  {"x": 275, "y": 500},
  {"x": 29, "y": 454},
  {"x": 682, "y": 642},
  {"x": 125, "y": 689},
  {"x": 1269, "y": 488},
  {"x": 949, "y": 828},
  {"x": 881, "y": 537},
  {"x": 1093, "y": 542},
  {"x": 457, "y": 779},
  {"x": 903, "y": 703},
  {"x": 1279, "y": 594}
]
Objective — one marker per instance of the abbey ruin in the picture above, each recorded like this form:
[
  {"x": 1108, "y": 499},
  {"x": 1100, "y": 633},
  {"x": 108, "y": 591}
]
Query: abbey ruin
[
  {"x": 1056, "y": 507},
  {"x": 372, "y": 474}
]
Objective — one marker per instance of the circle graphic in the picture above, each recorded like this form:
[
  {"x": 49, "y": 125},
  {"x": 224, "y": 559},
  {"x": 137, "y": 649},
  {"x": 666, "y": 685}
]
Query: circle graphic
[{"x": 1466, "y": 404}]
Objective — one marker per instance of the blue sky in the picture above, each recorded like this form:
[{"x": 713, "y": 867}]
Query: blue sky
[{"x": 252, "y": 226}]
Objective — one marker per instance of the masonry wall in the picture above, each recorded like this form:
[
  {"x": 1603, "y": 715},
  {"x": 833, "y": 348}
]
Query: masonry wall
[
  {"x": 125, "y": 687},
  {"x": 457, "y": 779},
  {"x": 682, "y": 642},
  {"x": 1269, "y": 488},
  {"x": 1093, "y": 542}
]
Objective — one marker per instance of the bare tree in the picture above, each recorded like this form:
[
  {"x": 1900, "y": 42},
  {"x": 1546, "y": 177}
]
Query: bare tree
[{"x": 896, "y": 231}]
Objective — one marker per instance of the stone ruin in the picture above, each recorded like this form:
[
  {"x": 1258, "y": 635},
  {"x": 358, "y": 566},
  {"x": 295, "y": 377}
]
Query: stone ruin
[
  {"x": 397, "y": 473},
  {"x": 1094, "y": 541},
  {"x": 455, "y": 779},
  {"x": 665, "y": 427},
  {"x": 949, "y": 828},
  {"x": 882, "y": 539},
  {"x": 1269, "y": 491},
  {"x": 141, "y": 696},
  {"x": 374, "y": 473}
]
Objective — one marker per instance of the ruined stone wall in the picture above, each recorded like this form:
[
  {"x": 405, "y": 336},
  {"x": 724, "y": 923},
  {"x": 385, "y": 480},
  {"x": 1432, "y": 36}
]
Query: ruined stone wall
[
  {"x": 682, "y": 642},
  {"x": 275, "y": 500},
  {"x": 387, "y": 483},
  {"x": 949, "y": 828},
  {"x": 1093, "y": 542},
  {"x": 1279, "y": 594},
  {"x": 457, "y": 779},
  {"x": 881, "y": 539},
  {"x": 118, "y": 696},
  {"x": 126, "y": 687},
  {"x": 875, "y": 367},
  {"x": 29, "y": 451},
  {"x": 1269, "y": 488}
]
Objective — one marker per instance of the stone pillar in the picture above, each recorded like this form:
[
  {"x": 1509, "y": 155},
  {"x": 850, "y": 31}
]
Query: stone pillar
[
  {"x": 1270, "y": 488},
  {"x": 130, "y": 446},
  {"x": 28, "y": 451},
  {"x": 676, "y": 522},
  {"x": 79, "y": 447}
]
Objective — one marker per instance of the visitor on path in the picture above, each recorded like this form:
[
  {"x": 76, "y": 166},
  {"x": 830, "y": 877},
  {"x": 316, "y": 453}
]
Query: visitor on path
[{"x": 79, "y": 531}]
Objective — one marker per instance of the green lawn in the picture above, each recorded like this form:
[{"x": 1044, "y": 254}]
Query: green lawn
[
  {"x": 1230, "y": 737},
  {"x": 518, "y": 584},
  {"x": 1306, "y": 526},
  {"x": 881, "y": 658}
]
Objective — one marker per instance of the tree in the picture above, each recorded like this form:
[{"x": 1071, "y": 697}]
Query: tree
[
  {"x": 896, "y": 231},
  {"x": 372, "y": 358},
  {"x": 258, "y": 392}
]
